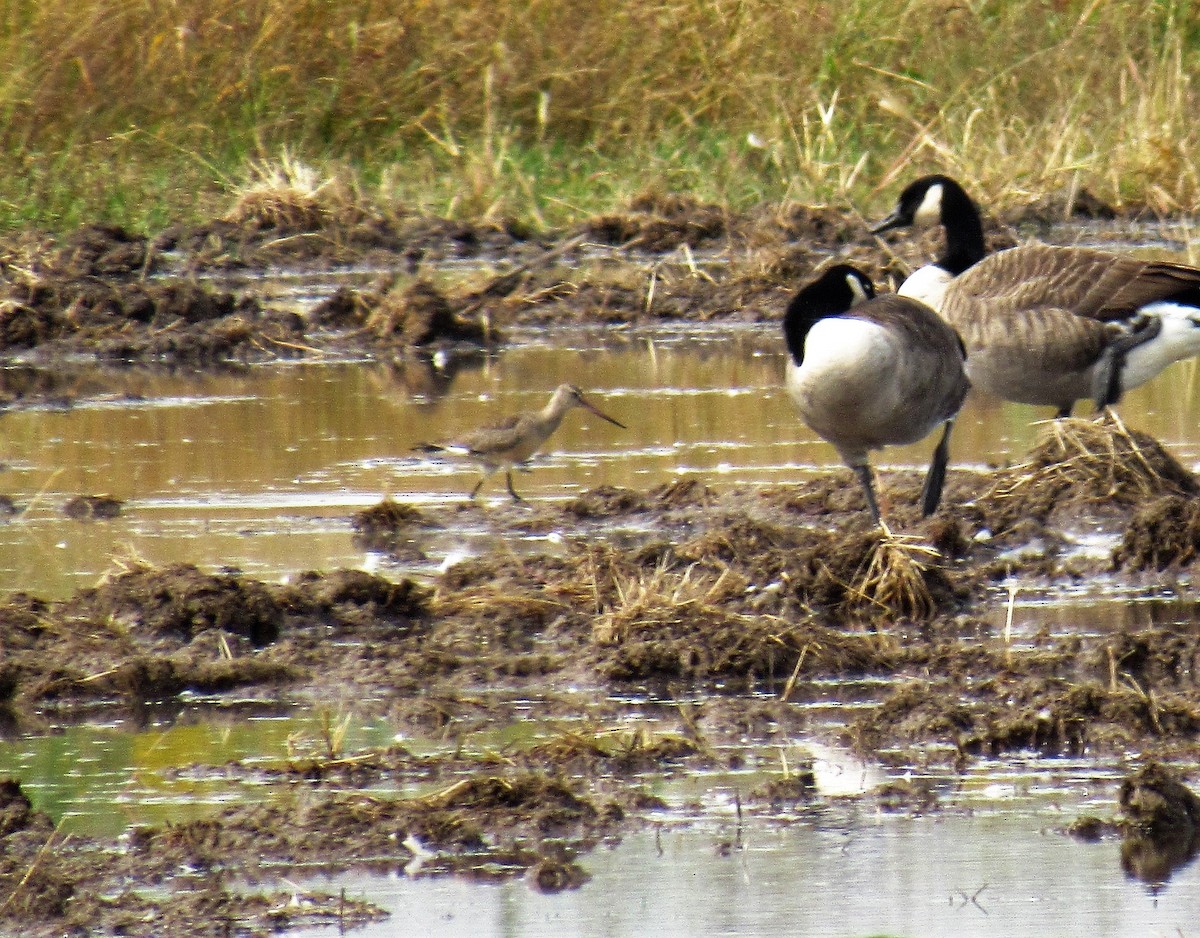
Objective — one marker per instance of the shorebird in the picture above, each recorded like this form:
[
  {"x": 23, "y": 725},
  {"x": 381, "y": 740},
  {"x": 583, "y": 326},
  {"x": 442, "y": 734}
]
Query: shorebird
[
  {"x": 869, "y": 371},
  {"x": 510, "y": 443},
  {"x": 1043, "y": 324}
]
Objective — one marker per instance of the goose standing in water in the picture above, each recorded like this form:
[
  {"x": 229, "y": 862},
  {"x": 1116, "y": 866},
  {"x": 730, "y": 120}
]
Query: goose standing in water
[
  {"x": 869, "y": 371},
  {"x": 1043, "y": 324},
  {"x": 510, "y": 443}
]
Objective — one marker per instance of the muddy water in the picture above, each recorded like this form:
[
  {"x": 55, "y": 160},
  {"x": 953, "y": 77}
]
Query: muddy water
[
  {"x": 920, "y": 877},
  {"x": 262, "y": 469}
]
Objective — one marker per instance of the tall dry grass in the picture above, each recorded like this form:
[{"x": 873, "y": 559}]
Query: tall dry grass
[{"x": 548, "y": 108}]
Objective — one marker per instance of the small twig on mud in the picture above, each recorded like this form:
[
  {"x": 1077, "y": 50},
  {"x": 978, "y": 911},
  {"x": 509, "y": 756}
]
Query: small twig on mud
[
  {"x": 295, "y": 345},
  {"x": 97, "y": 677},
  {"x": 1147, "y": 697},
  {"x": 33, "y": 866},
  {"x": 690, "y": 260},
  {"x": 795, "y": 676},
  {"x": 1008, "y": 621},
  {"x": 650, "y": 288}
]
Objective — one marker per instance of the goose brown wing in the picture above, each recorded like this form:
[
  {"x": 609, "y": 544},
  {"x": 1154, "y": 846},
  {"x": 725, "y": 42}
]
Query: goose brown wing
[
  {"x": 1093, "y": 284},
  {"x": 1051, "y": 338}
]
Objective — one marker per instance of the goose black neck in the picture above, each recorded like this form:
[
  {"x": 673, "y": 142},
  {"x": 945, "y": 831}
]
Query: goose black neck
[
  {"x": 964, "y": 230},
  {"x": 807, "y": 308}
]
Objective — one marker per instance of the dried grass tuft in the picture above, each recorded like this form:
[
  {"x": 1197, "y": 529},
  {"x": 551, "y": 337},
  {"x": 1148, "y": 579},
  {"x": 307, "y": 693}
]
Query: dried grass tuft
[
  {"x": 894, "y": 583},
  {"x": 664, "y": 598},
  {"x": 1078, "y": 462},
  {"x": 288, "y": 195}
]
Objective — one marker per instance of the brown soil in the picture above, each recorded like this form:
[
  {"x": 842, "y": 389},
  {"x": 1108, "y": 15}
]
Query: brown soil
[
  {"x": 745, "y": 600},
  {"x": 90, "y": 292}
]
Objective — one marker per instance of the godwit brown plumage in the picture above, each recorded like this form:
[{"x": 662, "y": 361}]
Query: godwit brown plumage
[{"x": 510, "y": 443}]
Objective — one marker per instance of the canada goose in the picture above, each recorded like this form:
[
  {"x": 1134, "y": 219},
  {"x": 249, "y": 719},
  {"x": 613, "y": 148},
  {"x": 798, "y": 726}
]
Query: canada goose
[
  {"x": 869, "y": 371},
  {"x": 1044, "y": 324},
  {"x": 510, "y": 443}
]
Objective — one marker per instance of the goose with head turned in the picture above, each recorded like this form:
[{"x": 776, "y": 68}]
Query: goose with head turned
[
  {"x": 1044, "y": 324},
  {"x": 869, "y": 371}
]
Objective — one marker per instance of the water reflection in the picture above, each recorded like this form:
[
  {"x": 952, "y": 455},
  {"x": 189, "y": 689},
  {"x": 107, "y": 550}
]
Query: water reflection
[
  {"x": 262, "y": 467},
  {"x": 937, "y": 878},
  {"x": 1154, "y": 859}
]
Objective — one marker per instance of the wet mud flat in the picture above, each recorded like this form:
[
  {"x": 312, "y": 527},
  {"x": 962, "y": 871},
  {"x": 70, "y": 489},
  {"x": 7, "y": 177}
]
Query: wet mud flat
[
  {"x": 661, "y": 633},
  {"x": 162, "y": 299}
]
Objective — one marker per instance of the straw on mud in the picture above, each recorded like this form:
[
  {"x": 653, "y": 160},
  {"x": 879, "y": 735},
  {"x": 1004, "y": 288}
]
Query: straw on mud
[
  {"x": 666, "y": 597},
  {"x": 36, "y": 860},
  {"x": 894, "y": 580},
  {"x": 1097, "y": 457},
  {"x": 1008, "y": 621}
]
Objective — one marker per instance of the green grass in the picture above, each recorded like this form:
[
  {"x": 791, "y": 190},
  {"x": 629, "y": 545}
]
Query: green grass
[{"x": 123, "y": 111}]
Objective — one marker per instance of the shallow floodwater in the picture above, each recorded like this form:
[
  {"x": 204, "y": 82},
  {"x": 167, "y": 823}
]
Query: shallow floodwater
[{"x": 261, "y": 469}]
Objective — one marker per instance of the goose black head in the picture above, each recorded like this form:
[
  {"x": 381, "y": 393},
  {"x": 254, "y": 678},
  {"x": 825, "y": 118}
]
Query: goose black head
[
  {"x": 939, "y": 200},
  {"x": 833, "y": 293}
]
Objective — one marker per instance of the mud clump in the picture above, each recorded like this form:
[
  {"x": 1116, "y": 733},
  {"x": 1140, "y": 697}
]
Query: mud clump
[
  {"x": 1098, "y": 466},
  {"x": 1162, "y": 823},
  {"x": 33, "y": 891},
  {"x": 388, "y": 526},
  {"x": 605, "y": 502},
  {"x": 660, "y": 222},
  {"x": 1162, "y": 534},
  {"x": 420, "y": 314},
  {"x": 314, "y": 592},
  {"x": 134, "y": 320},
  {"x": 181, "y": 601},
  {"x": 797, "y": 788},
  {"x": 1154, "y": 800},
  {"x": 858, "y": 575},
  {"x": 481, "y": 822}
]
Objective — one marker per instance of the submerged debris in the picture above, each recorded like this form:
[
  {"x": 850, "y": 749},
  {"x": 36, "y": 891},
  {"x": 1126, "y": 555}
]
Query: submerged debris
[{"x": 88, "y": 507}]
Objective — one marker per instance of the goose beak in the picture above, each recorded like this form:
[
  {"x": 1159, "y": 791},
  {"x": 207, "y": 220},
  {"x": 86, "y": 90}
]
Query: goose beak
[
  {"x": 894, "y": 220},
  {"x": 601, "y": 414}
]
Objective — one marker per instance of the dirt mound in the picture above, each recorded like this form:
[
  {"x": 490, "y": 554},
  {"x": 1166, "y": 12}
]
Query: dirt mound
[
  {"x": 135, "y": 320},
  {"x": 388, "y": 526},
  {"x": 1162, "y": 534},
  {"x": 1092, "y": 466},
  {"x": 855, "y": 574},
  {"x": 181, "y": 601},
  {"x": 1161, "y": 819},
  {"x": 660, "y": 222}
]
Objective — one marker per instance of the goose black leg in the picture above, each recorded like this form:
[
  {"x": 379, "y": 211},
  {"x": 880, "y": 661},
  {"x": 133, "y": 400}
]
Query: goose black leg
[
  {"x": 931, "y": 493},
  {"x": 868, "y": 484}
]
